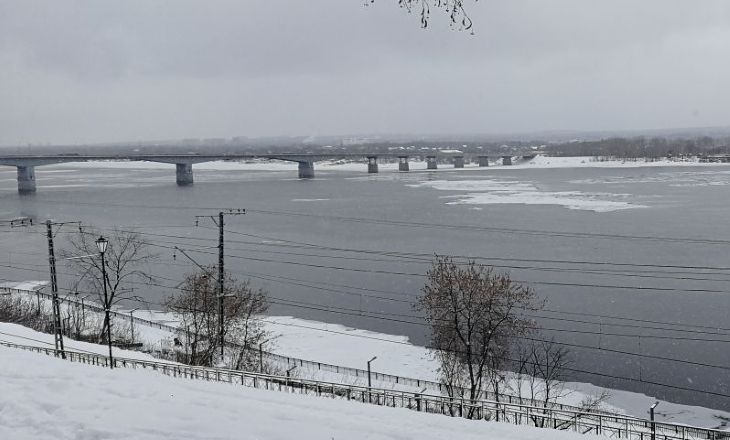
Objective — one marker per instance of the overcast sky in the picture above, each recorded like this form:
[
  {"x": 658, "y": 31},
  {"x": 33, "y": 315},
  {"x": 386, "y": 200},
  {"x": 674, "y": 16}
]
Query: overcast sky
[{"x": 96, "y": 71}]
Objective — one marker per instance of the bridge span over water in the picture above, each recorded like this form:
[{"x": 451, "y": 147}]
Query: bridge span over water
[{"x": 184, "y": 162}]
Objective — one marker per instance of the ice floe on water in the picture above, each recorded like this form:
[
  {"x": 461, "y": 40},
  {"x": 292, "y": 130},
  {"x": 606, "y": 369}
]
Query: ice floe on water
[
  {"x": 491, "y": 191},
  {"x": 674, "y": 178}
]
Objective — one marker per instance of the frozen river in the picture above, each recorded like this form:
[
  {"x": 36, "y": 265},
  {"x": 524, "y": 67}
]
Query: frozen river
[{"x": 646, "y": 244}]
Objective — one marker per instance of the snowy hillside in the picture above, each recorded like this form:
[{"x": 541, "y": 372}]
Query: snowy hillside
[{"x": 46, "y": 398}]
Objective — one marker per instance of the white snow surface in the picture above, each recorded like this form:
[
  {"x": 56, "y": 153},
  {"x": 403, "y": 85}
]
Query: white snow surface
[
  {"x": 23, "y": 286},
  {"x": 47, "y": 398},
  {"x": 17, "y": 334},
  {"x": 339, "y": 345}
]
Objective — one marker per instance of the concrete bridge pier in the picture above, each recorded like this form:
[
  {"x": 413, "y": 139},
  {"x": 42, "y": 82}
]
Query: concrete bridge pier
[
  {"x": 403, "y": 163},
  {"x": 483, "y": 161},
  {"x": 26, "y": 179},
  {"x": 306, "y": 170},
  {"x": 431, "y": 163},
  {"x": 372, "y": 164},
  {"x": 506, "y": 160},
  {"x": 458, "y": 161},
  {"x": 184, "y": 174}
]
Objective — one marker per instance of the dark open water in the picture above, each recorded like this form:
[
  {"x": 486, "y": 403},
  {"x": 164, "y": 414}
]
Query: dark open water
[{"x": 679, "y": 202}]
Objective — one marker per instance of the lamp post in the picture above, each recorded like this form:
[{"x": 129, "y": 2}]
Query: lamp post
[
  {"x": 131, "y": 321},
  {"x": 370, "y": 395},
  {"x": 288, "y": 374},
  {"x": 101, "y": 244},
  {"x": 261, "y": 355},
  {"x": 369, "y": 382},
  {"x": 651, "y": 417}
]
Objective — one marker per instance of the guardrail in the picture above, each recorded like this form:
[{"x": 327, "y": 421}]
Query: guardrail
[{"x": 585, "y": 422}]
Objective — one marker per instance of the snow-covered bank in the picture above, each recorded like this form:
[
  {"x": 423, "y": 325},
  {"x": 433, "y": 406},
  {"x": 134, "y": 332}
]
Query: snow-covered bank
[
  {"x": 341, "y": 345},
  {"x": 598, "y": 162},
  {"x": 47, "y": 398}
]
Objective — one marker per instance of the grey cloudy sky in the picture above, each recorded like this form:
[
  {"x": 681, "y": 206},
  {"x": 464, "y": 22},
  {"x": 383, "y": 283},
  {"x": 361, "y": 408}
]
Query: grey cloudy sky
[{"x": 95, "y": 71}]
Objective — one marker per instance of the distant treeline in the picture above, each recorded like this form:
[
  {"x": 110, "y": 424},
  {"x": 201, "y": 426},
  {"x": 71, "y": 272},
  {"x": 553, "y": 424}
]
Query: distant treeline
[{"x": 640, "y": 147}]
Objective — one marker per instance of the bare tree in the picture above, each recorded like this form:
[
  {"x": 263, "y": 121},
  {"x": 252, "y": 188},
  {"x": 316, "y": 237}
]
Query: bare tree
[
  {"x": 454, "y": 8},
  {"x": 197, "y": 308},
  {"x": 550, "y": 361},
  {"x": 476, "y": 314},
  {"x": 596, "y": 401},
  {"x": 453, "y": 376},
  {"x": 541, "y": 364},
  {"x": 127, "y": 262}
]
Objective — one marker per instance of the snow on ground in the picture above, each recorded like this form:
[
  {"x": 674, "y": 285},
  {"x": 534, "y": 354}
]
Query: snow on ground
[
  {"x": 17, "y": 334},
  {"x": 339, "y": 345},
  {"x": 541, "y": 161},
  {"x": 637, "y": 405},
  {"x": 23, "y": 286},
  {"x": 47, "y": 398}
]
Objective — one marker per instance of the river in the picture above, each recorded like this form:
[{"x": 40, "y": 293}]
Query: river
[{"x": 332, "y": 248}]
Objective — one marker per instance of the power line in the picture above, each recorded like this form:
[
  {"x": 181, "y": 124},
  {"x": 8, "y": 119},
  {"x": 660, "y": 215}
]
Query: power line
[
  {"x": 541, "y": 340},
  {"x": 427, "y": 258},
  {"x": 585, "y": 235},
  {"x": 313, "y": 285}
]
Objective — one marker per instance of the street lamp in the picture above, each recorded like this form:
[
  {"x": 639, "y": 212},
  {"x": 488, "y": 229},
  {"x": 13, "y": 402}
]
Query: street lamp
[
  {"x": 261, "y": 355},
  {"x": 288, "y": 374},
  {"x": 369, "y": 382},
  {"x": 131, "y": 321},
  {"x": 651, "y": 417},
  {"x": 101, "y": 244}
]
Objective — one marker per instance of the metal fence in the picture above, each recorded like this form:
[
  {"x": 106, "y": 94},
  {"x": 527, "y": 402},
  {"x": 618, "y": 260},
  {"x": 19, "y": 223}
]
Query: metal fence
[
  {"x": 585, "y": 422},
  {"x": 428, "y": 385},
  {"x": 339, "y": 369}
]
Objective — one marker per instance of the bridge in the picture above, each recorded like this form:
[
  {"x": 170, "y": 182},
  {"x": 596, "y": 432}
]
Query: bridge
[{"x": 26, "y": 164}]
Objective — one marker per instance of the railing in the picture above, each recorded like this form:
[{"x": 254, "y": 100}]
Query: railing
[
  {"x": 356, "y": 372},
  {"x": 585, "y": 422}
]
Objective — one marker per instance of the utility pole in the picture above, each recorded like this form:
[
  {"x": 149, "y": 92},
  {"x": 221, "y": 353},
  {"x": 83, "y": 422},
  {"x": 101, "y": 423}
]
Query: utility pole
[
  {"x": 58, "y": 334},
  {"x": 221, "y": 268},
  {"x": 57, "y": 329},
  {"x": 221, "y": 262}
]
